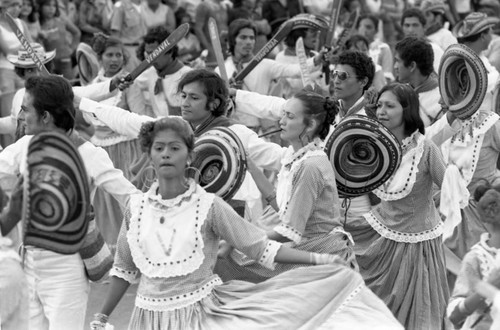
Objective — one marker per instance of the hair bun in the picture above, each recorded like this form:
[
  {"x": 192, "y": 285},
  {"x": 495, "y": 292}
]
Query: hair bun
[{"x": 332, "y": 108}]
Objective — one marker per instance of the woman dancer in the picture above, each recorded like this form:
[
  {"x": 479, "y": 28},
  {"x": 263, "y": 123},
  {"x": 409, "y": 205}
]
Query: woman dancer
[
  {"x": 401, "y": 257},
  {"x": 309, "y": 208},
  {"x": 481, "y": 263},
  {"x": 169, "y": 241}
]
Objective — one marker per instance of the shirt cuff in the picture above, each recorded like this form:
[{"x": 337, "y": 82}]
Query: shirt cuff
[
  {"x": 289, "y": 232},
  {"x": 129, "y": 276},
  {"x": 87, "y": 105},
  {"x": 267, "y": 258}
]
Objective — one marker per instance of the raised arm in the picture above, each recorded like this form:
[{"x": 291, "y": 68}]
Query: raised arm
[
  {"x": 259, "y": 105},
  {"x": 121, "y": 121}
]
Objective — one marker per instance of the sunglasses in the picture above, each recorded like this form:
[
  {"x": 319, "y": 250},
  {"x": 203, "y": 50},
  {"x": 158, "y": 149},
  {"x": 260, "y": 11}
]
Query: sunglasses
[{"x": 342, "y": 75}]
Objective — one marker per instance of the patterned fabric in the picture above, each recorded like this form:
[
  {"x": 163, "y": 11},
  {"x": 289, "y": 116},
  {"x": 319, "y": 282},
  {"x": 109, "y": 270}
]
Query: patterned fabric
[
  {"x": 402, "y": 257},
  {"x": 476, "y": 266},
  {"x": 56, "y": 194}
]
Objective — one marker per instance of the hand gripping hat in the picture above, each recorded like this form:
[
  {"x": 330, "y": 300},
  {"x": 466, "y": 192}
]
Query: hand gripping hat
[
  {"x": 463, "y": 80},
  {"x": 56, "y": 198},
  {"x": 220, "y": 162},
  {"x": 364, "y": 154}
]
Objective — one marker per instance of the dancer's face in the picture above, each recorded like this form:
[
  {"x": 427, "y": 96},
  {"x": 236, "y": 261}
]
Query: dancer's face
[
  {"x": 390, "y": 111},
  {"x": 194, "y": 103},
  {"x": 169, "y": 154},
  {"x": 29, "y": 117},
  {"x": 292, "y": 122},
  {"x": 244, "y": 43}
]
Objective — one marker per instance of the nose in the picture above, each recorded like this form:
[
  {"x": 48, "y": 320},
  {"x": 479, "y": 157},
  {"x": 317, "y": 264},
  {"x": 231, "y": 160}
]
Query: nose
[{"x": 282, "y": 121}]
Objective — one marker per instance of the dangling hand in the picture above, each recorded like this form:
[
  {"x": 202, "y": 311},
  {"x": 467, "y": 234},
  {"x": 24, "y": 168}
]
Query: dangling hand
[{"x": 327, "y": 259}]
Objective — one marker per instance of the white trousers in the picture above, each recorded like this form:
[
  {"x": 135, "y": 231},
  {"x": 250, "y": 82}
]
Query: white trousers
[{"x": 58, "y": 290}]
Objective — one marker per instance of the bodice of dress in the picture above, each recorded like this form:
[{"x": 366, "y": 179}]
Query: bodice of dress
[
  {"x": 307, "y": 194},
  {"x": 412, "y": 217},
  {"x": 175, "y": 268}
]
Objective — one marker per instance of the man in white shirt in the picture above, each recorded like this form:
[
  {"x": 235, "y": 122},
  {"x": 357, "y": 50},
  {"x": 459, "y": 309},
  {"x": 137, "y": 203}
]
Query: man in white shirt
[
  {"x": 413, "y": 23},
  {"x": 413, "y": 65},
  {"x": 434, "y": 11},
  {"x": 162, "y": 85}
]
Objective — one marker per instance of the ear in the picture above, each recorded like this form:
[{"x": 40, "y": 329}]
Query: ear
[
  {"x": 413, "y": 66},
  {"x": 364, "y": 81},
  {"x": 46, "y": 117},
  {"x": 313, "y": 125},
  {"x": 214, "y": 105}
]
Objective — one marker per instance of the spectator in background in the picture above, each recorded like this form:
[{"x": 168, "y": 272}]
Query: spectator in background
[
  {"x": 94, "y": 17},
  {"x": 359, "y": 43},
  {"x": 9, "y": 44},
  {"x": 29, "y": 16},
  {"x": 53, "y": 36},
  {"x": 250, "y": 9},
  {"x": 155, "y": 13},
  {"x": 434, "y": 11},
  {"x": 379, "y": 51},
  {"x": 127, "y": 24},
  {"x": 189, "y": 46},
  {"x": 205, "y": 10},
  {"x": 413, "y": 23},
  {"x": 278, "y": 11}
]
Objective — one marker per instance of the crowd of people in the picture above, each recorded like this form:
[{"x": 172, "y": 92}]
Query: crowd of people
[{"x": 100, "y": 180}]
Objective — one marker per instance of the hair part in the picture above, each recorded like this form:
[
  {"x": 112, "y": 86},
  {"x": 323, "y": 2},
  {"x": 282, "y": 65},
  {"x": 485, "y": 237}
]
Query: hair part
[
  {"x": 53, "y": 94},
  {"x": 408, "y": 99},
  {"x": 214, "y": 88},
  {"x": 149, "y": 131},
  {"x": 412, "y": 49}
]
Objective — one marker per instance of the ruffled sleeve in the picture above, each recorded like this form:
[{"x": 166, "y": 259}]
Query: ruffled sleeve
[
  {"x": 241, "y": 234},
  {"x": 124, "y": 266}
]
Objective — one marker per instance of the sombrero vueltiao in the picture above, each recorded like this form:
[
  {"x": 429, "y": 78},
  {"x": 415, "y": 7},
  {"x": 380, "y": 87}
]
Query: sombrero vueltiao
[
  {"x": 56, "y": 194},
  {"x": 24, "y": 60},
  {"x": 220, "y": 161},
  {"x": 463, "y": 80},
  {"x": 88, "y": 63},
  {"x": 474, "y": 23},
  {"x": 364, "y": 154}
]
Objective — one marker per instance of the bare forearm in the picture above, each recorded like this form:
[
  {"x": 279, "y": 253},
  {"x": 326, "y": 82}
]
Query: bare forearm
[
  {"x": 287, "y": 255},
  {"x": 117, "y": 289},
  {"x": 277, "y": 237}
]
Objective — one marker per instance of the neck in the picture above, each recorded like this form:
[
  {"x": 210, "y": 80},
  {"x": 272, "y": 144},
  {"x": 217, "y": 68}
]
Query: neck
[
  {"x": 154, "y": 7},
  {"x": 417, "y": 79},
  {"x": 171, "y": 187},
  {"x": 399, "y": 133},
  {"x": 350, "y": 101},
  {"x": 242, "y": 58},
  {"x": 300, "y": 143}
]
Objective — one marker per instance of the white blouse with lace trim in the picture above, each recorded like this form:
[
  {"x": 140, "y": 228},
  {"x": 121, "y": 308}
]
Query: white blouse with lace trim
[
  {"x": 401, "y": 237},
  {"x": 487, "y": 255},
  {"x": 129, "y": 276},
  {"x": 400, "y": 184},
  {"x": 165, "y": 235},
  {"x": 463, "y": 148},
  {"x": 291, "y": 163}
]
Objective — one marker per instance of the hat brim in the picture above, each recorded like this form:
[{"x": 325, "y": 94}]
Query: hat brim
[
  {"x": 56, "y": 194},
  {"x": 481, "y": 26},
  {"x": 220, "y": 162},
  {"x": 364, "y": 155},
  {"x": 29, "y": 63},
  {"x": 88, "y": 63},
  {"x": 463, "y": 80}
]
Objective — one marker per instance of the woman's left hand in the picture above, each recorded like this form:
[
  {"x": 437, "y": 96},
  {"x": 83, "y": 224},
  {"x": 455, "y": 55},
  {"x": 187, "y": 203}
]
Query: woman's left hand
[{"x": 224, "y": 249}]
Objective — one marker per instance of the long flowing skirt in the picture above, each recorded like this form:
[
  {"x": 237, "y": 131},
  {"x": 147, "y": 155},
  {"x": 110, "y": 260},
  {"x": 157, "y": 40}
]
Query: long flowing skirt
[
  {"x": 409, "y": 277},
  {"x": 237, "y": 266},
  {"x": 308, "y": 298}
]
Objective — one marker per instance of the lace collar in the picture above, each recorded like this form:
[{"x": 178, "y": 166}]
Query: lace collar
[
  {"x": 410, "y": 142},
  {"x": 155, "y": 198},
  {"x": 477, "y": 124},
  {"x": 291, "y": 157},
  {"x": 483, "y": 241}
]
